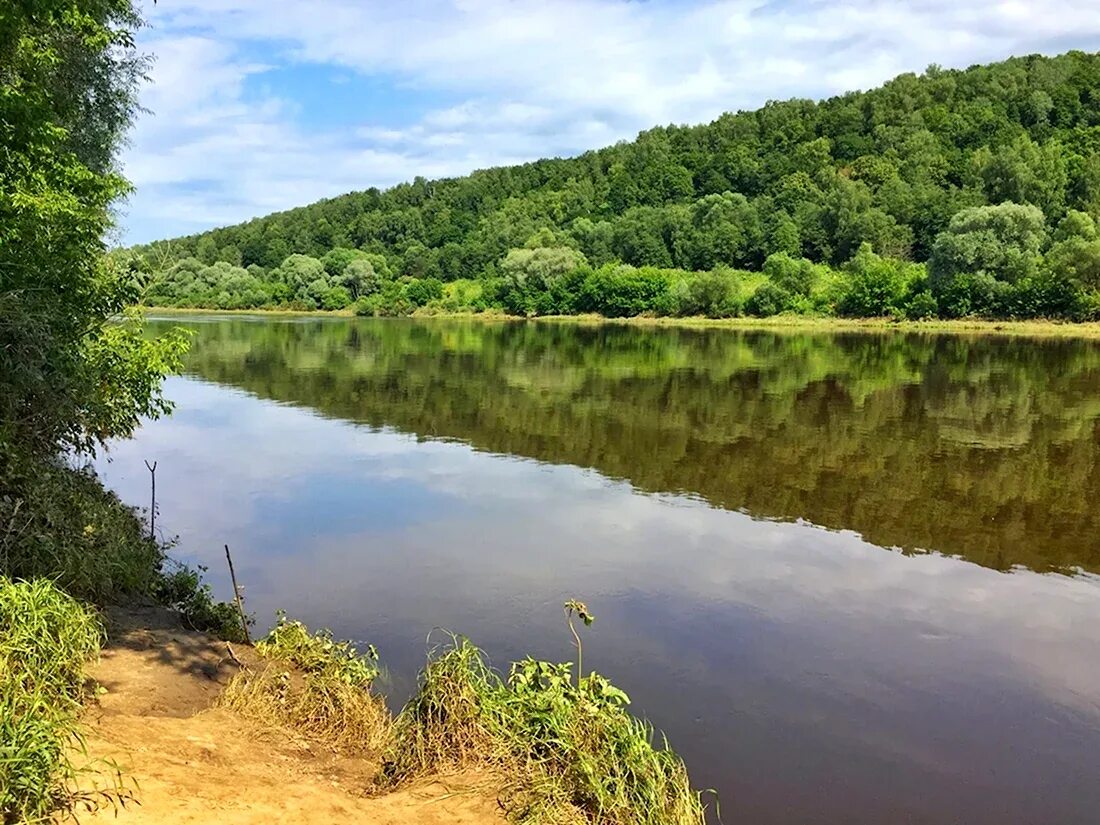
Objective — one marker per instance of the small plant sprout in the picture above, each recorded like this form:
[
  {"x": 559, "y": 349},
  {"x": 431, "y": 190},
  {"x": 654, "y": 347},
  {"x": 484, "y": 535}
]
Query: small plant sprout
[{"x": 580, "y": 609}]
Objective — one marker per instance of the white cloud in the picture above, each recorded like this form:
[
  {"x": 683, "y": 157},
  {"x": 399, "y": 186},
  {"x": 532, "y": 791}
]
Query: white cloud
[{"x": 522, "y": 80}]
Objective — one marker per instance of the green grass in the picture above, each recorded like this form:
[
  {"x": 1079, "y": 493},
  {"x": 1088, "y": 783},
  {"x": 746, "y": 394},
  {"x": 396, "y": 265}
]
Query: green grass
[
  {"x": 559, "y": 750},
  {"x": 567, "y": 750},
  {"x": 46, "y": 637}
]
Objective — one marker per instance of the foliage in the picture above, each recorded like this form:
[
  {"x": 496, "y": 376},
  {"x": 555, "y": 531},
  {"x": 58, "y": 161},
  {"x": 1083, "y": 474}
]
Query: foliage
[
  {"x": 902, "y": 167},
  {"x": 46, "y": 637},
  {"x": 315, "y": 685},
  {"x": 878, "y": 286},
  {"x": 68, "y": 379},
  {"x": 673, "y": 408},
  {"x": 569, "y": 752},
  {"x": 60, "y": 523},
  {"x": 319, "y": 653},
  {"x": 184, "y": 591},
  {"x": 1004, "y": 242}
]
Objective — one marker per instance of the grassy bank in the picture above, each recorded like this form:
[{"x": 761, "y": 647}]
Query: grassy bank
[
  {"x": 558, "y": 748},
  {"x": 793, "y": 323}
]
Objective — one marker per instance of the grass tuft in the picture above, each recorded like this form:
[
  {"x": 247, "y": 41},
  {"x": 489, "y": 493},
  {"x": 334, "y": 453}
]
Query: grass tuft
[
  {"x": 315, "y": 685},
  {"x": 567, "y": 751},
  {"x": 455, "y": 720}
]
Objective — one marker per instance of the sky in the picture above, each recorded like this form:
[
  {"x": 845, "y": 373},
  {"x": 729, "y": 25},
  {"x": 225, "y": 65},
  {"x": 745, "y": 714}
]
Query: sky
[{"x": 254, "y": 106}]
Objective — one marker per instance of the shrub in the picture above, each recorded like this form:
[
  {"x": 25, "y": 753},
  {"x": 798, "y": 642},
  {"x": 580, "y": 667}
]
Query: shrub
[
  {"x": 334, "y": 298},
  {"x": 60, "y": 523},
  {"x": 620, "y": 291},
  {"x": 1044, "y": 295},
  {"x": 876, "y": 285},
  {"x": 768, "y": 299},
  {"x": 712, "y": 294},
  {"x": 796, "y": 275},
  {"x": 569, "y": 750},
  {"x": 184, "y": 591},
  {"x": 920, "y": 306},
  {"x": 421, "y": 291}
]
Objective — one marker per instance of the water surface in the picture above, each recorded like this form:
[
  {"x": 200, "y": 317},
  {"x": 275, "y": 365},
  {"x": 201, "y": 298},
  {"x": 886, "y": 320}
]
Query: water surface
[{"x": 853, "y": 577}]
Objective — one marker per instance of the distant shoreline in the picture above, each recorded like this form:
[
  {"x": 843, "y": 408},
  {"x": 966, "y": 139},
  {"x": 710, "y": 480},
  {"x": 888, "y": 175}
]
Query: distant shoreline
[{"x": 783, "y": 323}]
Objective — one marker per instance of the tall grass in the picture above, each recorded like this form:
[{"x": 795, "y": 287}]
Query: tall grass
[
  {"x": 567, "y": 751},
  {"x": 67, "y": 543},
  {"x": 455, "y": 721},
  {"x": 46, "y": 637},
  {"x": 316, "y": 685},
  {"x": 561, "y": 750}
]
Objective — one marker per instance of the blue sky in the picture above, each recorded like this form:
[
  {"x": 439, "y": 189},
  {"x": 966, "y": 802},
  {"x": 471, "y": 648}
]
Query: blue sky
[{"x": 260, "y": 105}]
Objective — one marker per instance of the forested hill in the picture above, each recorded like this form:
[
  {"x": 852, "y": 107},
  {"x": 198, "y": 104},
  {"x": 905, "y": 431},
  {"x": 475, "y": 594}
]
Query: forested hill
[{"x": 889, "y": 168}]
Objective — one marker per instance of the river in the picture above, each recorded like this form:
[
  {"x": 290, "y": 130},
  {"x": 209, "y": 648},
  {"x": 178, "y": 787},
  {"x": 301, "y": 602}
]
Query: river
[{"x": 853, "y": 577}]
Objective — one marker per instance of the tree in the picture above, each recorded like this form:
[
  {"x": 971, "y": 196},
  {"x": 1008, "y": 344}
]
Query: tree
[
  {"x": 68, "y": 379},
  {"x": 1076, "y": 252},
  {"x": 336, "y": 260},
  {"x": 1023, "y": 172},
  {"x": 298, "y": 271},
  {"x": 1004, "y": 242},
  {"x": 539, "y": 268},
  {"x": 364, "y": 276},
  {"x": 890, "y": 167},
  {"x": 725, "y": 229}
]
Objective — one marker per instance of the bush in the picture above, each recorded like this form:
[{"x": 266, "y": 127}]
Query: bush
[
  {"x": 390, "y": 301},
  {"x": 797, "y": 276},
  {"x": 876, "y": 285},
  {"x": 334, "y": 298},
  {"x": 712, "y": 294},
  {"x": 969, "y": 294},
  {"x": 768, "y": 299},
  {"x": 621, "y": 291},
  {"x": 1043, "y": 296},
  {"x": 60, "y": 523},
  {"x": 570, "y": 749},
  {"x": 184, "y": 591},
  {"x": 920, "y": 306},
  {"x": 421, "y": 291}
]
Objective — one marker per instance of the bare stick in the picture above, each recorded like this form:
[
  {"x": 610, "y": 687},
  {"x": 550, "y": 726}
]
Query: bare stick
[
  {"x": 153, "y": 501},
  {"x": 233, "y": 656},
  {"x": 237, "y": 595}
]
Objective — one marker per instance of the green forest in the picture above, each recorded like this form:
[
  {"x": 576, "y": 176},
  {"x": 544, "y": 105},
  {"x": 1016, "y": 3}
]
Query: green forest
[{"x": 952, "y": 193}]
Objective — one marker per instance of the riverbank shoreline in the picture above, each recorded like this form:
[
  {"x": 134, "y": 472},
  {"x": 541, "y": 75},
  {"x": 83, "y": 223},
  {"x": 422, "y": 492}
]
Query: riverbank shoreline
[
  {"x": 161, "y": 718},
  {"x": 780, "y": 323}
]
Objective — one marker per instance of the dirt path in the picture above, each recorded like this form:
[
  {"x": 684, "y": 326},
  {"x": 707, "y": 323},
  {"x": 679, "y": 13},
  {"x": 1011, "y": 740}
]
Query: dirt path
[{"x": 197, "y": 764}]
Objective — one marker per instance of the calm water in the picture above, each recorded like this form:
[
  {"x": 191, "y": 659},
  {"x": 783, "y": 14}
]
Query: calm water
[{"x": 853, "y": 577}]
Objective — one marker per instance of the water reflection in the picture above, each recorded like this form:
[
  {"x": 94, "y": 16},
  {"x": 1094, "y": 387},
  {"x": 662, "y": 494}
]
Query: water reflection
[
  {"x": 984, "y": 448},
  {"x": 809, "y": 675}
]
